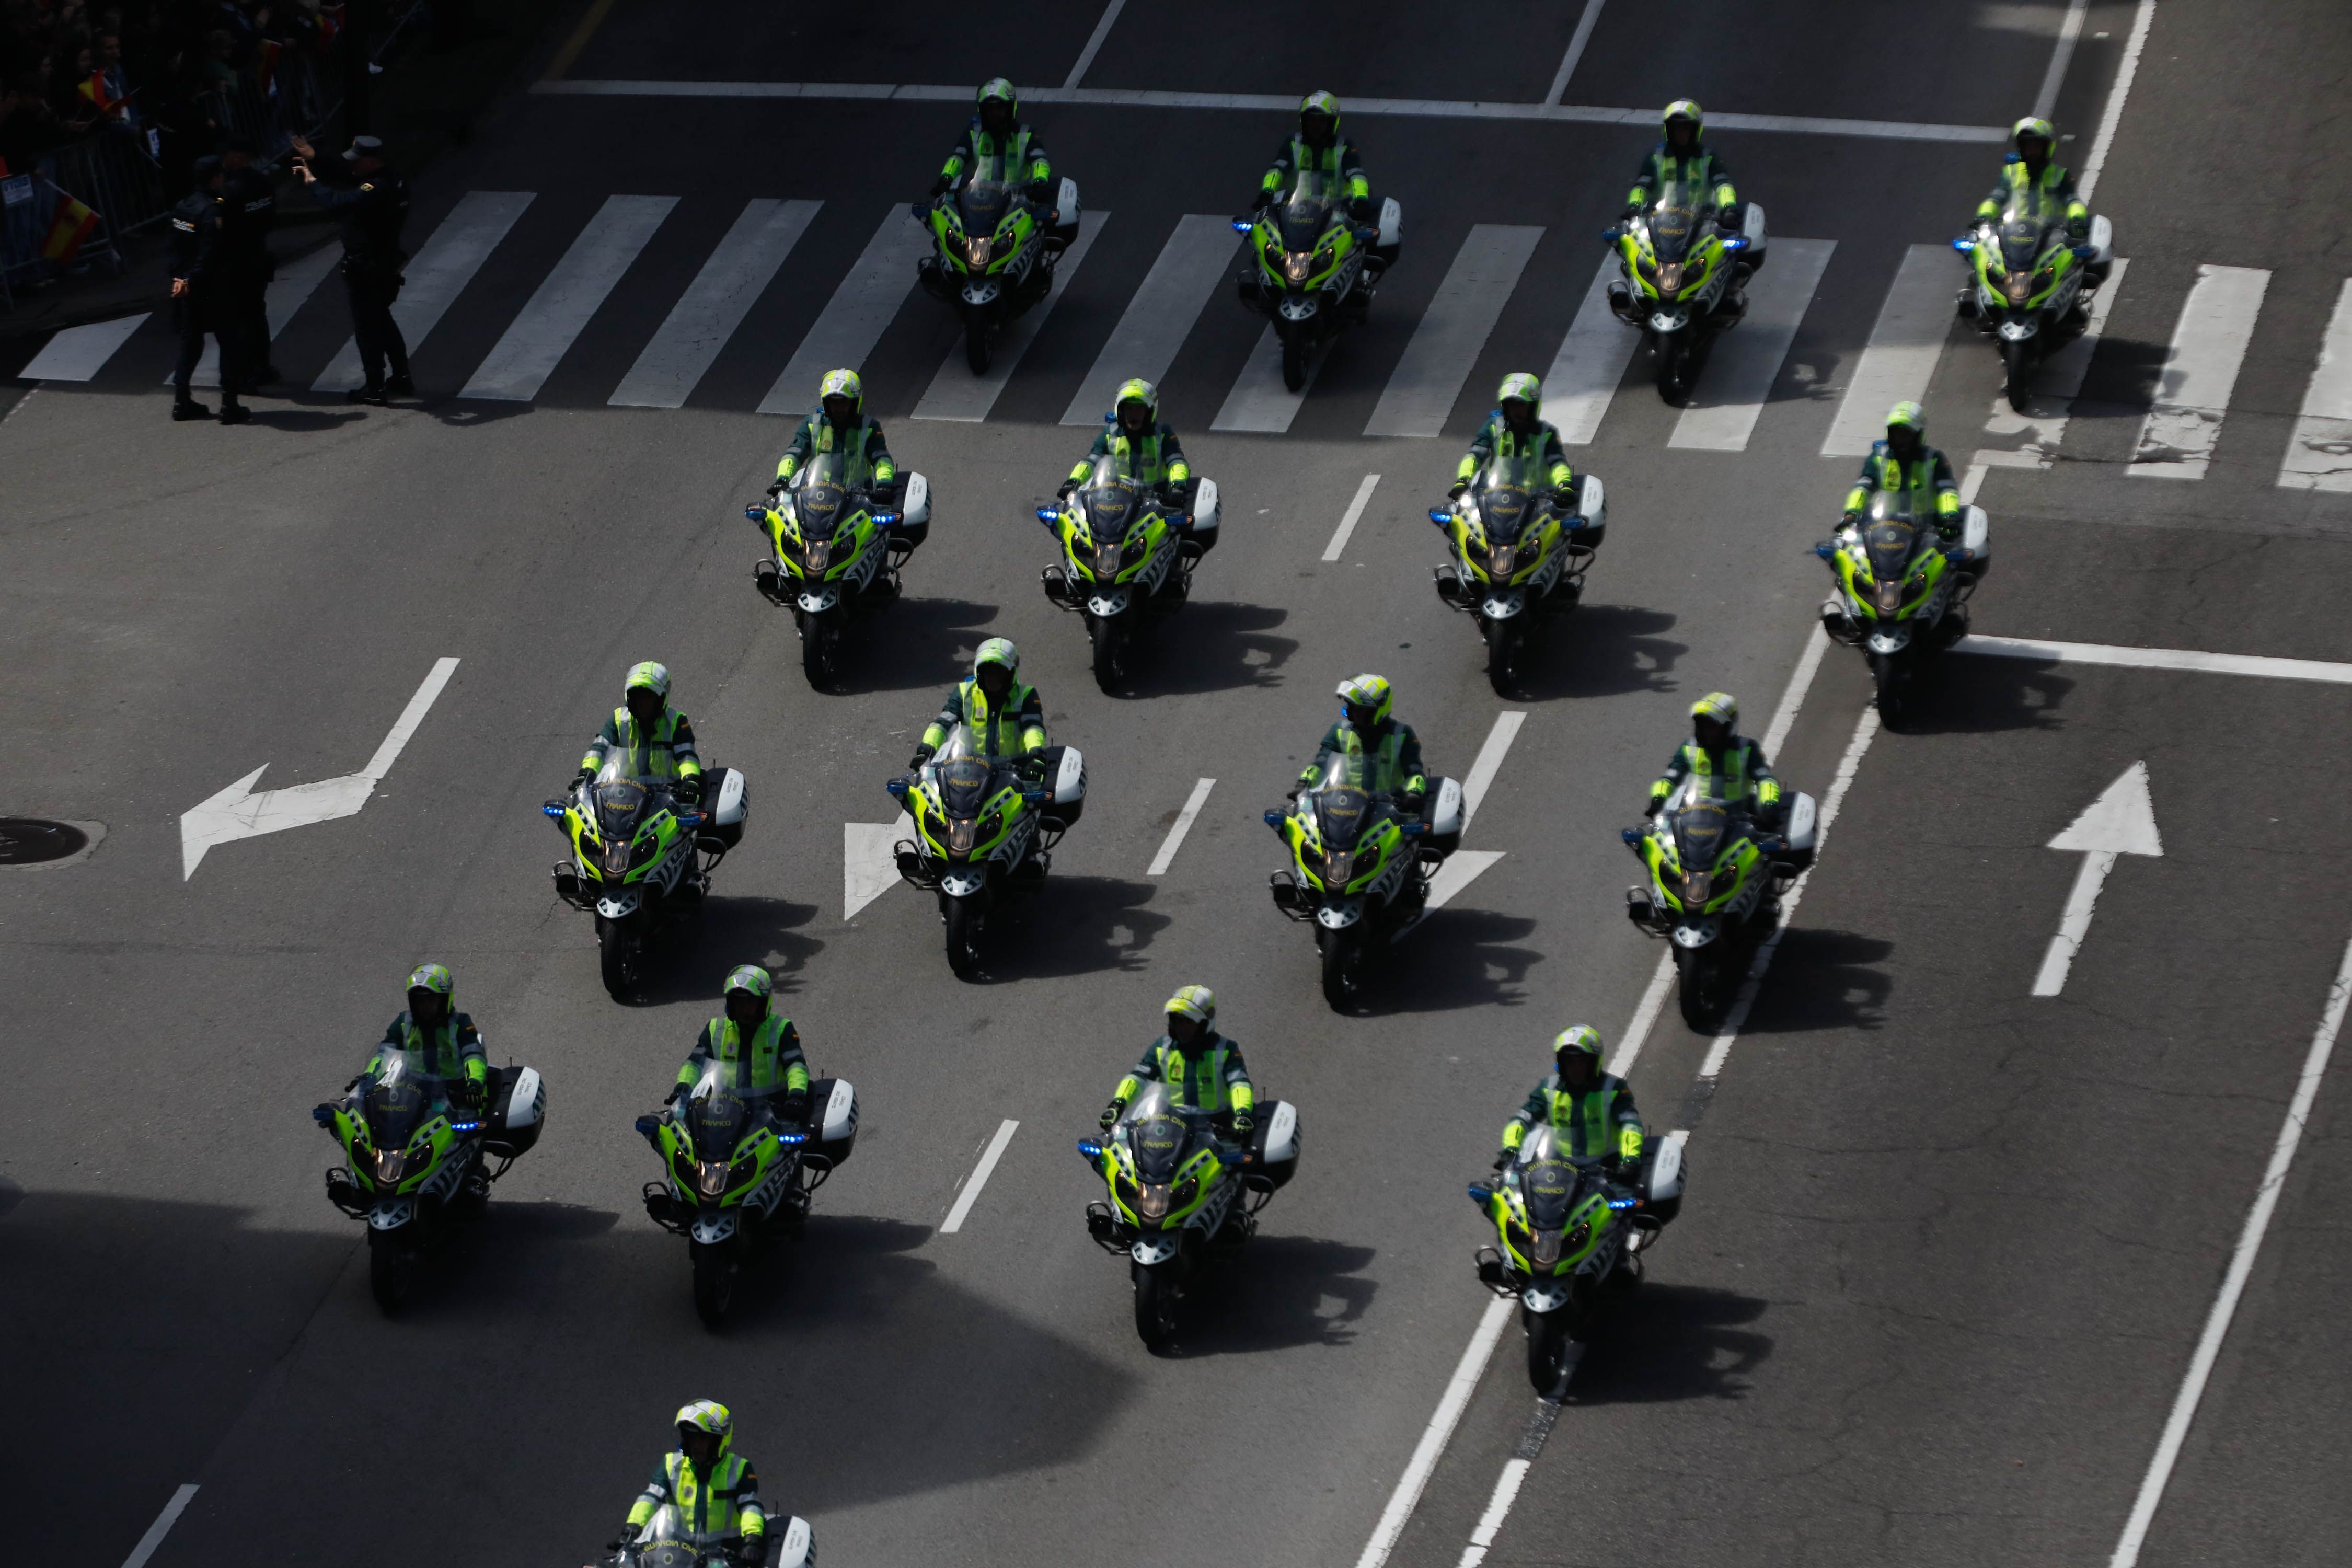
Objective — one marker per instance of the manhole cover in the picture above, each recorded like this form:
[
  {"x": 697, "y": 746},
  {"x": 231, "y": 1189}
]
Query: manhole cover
[{"x": 29, "y": 840}]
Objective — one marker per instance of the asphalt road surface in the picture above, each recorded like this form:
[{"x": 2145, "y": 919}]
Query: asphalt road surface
[{"x": 1949, "y": 1246}]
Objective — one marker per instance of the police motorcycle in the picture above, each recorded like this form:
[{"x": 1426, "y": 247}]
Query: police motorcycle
[
  {"x": 2031, "y": 287},
  {"x": 737, "y": 1177},
  {"x": 1714, "y": 888},
  {"x": 1898, "y": 592},
  {"x": 641, "y": 860},
  {"x": 1519, "y": 555},
  {"x": 993, "y": 251},
  {"x": 985, "y": 829},
  {"x": 1683, "y": 273},
  {"x": 1359, "y": 866},
  {"x": 839, "y": 550},
  {"x": 1128, "y": 554},
  {"x": 1310, "y": 269},
  {"x": 1183, "y": 1194},
  {"x": 414, "y": 1163},
  {"x": 668, "y": 1541},
  {"x": 1567, "y": 1235}
]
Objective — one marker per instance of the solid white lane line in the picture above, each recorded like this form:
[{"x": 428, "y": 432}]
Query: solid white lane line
[
  {"x": 1792, "y": 696},
  {"x": 78, "y": 353},
  {"x": 2054, "y": 390},
  {"x": 863, "y": 304},
  {"x": 1900, "y": 358},
  {"x": 1489, "y": 763},
  {"x": 2104, "y": 142},
  {"x": 1258, "y": 401},
  {"x": 1436, "y": 1435},
  {"x": 2319, "y": 453},
  {"x": 2158, "y": 658},
  {"x": 559, "y": 309},
  {"x": 956, "y": 394},
  {"x": 1184, "y": 819},
  {"x": 1160, "y": 315},
  {"x": 1136, "y": 97},
  {"x": 1445, "y": 345},
  {"x": 1094, "y": 45},
  {"x": 980, "y": 1174},
  {"x": 161, "y": 1528},
  {"x": 1584, "y": 26},
  {"x": 296, "y": 282},
  {"x": 2241, "y": 1265},
  {"x": 1592, "y": 361},
  {"x": 436, "y": 275},
  {"x": 2208, "y": 346},
  {"x": 2061, "y": 57},
  {"x": 1332, "y": 551},
  {"x": 1744, "y": 363},
  {"x": 737, "y": 271}
]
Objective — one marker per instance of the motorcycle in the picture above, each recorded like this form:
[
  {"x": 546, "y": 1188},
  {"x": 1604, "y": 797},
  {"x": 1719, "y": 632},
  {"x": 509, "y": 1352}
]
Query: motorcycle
[
  {"x": 838, "y": 551},
  {"x": 737, "y": 1177},
  {"x": 1520, "y": 553},
  {"x": 667, "y": 1540},
  {"x": 1715, "y": 888},
  {"x": 1684, "y": 278},
  {"x": 993, "y": 253},
  {"x": 1359, "y": 866},
  {"x": 1128, "y": 554},
  {"x": 2030, "y": 288},
  {"x": 1311, "y": 270},
  {"x": 414, "y": 1163},
  {"x": 984, "y": 828},
  {"x": 640, "y": 860},
  {"x": 1898, "y": 592},
  {"x": 1181, "y": 1194},
  {"x": 1567, "y": 1237}
]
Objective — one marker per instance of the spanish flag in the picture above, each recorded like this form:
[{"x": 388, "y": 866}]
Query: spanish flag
[{"x": 67, "y": 230}]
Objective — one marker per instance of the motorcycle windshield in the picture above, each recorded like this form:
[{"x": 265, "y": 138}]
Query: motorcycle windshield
[
  {"x": 822, "y": 496},
  {"x": 1307, "y": 211},
  {"x": 1507, "y": 498},
  {"x": 1110, "y": 501},
  {"x": 1160, "y": 1135},
  {"x": 963, "y": 786},
  {"x": 1700, "y": 829},
  {"x": 1549, "y": 1187},
  {"x": 1889, "y": 536},
  {"x": 617, "y": 803},
  {"x": 398, "y": 1099},
  {"x": 2021, "y": 233},
  {"x": 668, "y": 1541},
  {"x": 982, "y": 203},
  {"x": 1673, "y": 220},
  {"x": 1340, "y": 814},
  {"x": 718, "y": 1114}
]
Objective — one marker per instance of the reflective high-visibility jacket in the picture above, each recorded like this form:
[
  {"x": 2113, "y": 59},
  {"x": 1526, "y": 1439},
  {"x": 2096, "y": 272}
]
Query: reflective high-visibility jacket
[
  {"x": 1011, "y": 728},
  {"x": 1210, "y": 1077},
  {"x": 1495, "y": 438},
  {"x": 1698, "y": 167},
  {"x": 1151, "y": 459},
  {"x": 451, "y": 1052},
  {"x": 724, "y": 1503},
  {"x": 1738, "y": 773},
  {"x": 664, "y": 750},
  {"x": 1927, "y": 474},
  {"x": 1394, "y": 751},
  {"x": 866, "y": 456},
  {"x": 770, "y": 1062},
  {"x": 2052, "y": 191},
  {"x": 1017, "y": 156},
  {"x": 1338, "y": 161},
  {"x": 1597, "y": 1121}
]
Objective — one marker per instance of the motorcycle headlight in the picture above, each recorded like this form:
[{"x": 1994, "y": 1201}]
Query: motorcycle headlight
[
  {"x": 1339, "y": 868},
  {"x": 711, "y": 1180},
  {"x": 2017, "y": 287},
  {"x": 1545, "y": 1253},
  {"x": 391, "y": 1165},
  {"x": 1887, "y": 598},
  {"x": 977, "y": 248},
  {"x": 1154, "y": 1206},
  {"x": 1696, "y": 889},
  {"x": 1106, "y": 559},
  {"x": 1670, "y": 278},
  {"x": 1503, "y": 560},
  {"x": 1575, "y": 1239},
  {"x": 646, "y": 847},
  {"x": 1297, "y": 266},
  {"x": 816, "y": 553},
  {"x": 614, "y": 860},
  {"x": 961, "y": 832}
]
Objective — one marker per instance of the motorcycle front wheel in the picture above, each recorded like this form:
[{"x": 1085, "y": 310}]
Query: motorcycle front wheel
[
  {"x": 1342, "y": 976},
  {"x": 821, "y": 652},
  {"x": 714, "y": 1283},
  {"x": 1504, "y": 639},
  {"x": 613, "y": 957},
  {"x": 1110, "y": 653},
  {"x": 978, "y": 341},
  {"x": 1549, "y": 1356},
  {"x": 1155, "y": 1307},
  {"x": 1887, "y": 675},
  {"x": 391, "y": 1267},
  {"x": 1293, "y": 355},
  {"x": 963, "y": 957},
  {"x": 2019, "y": 361},
  {"x": 1674, "y": 367}
]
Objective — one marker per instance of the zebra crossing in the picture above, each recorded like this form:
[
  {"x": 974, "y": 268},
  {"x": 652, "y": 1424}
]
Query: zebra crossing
[{"x": 1490, "y": 266}]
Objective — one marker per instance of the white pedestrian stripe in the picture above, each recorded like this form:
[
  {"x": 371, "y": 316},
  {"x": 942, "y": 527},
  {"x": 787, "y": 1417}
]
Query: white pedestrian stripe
[
  {"x": 535, "y": 341},
  {"x": 2319, "y": 453},
  {"x": 1258, "y": 401},
  {"x": 1196, "y": 258},
  {"x": 715, "y": 304},
  {"x": 1900, "y": 359},
  {"x": 295, "y": 282},
  {"x": 980, "y": 1174},
  {"x": 1333, "y": 551},
  {"x": 78, "y": 353},
  {"x": 853, "y": 319},
  {"x": 1422, "y": 389},
  {"x": 1592, "y": 361},
  {"x": 181, "y": 1498},
  {"x": 1745, "y": 362},
  {"x": 1183, "y": 824},
  {"x": 955, "y": 392},
  {"x": 2054, "y": 391},
  {"x": 2208, "y": 344},
  {"x": 436, "y": 275}
]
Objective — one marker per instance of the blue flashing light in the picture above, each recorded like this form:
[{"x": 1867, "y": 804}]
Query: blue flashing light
[
  {"x": 1090, "y": 1149},
  {"x": 552, "y": 809},
  {"x": 1440, "y": 516},
  {"x": 1244, "y": 225},
  {"x": 1620, "y": 1203},
  {"x": 792, "y": 1137},
  {"x": 1048, "y": 514},
  {"x": 756, "y": 513},
  {"x": 1964, "y": 245},
  {"x": 647, "y": 1125},
  {"x": 1481, "y": 1195}
]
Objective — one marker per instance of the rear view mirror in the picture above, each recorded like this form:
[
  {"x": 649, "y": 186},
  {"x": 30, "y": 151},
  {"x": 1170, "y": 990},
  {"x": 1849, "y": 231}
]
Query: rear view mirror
[{"x": 1611, "y": 236}]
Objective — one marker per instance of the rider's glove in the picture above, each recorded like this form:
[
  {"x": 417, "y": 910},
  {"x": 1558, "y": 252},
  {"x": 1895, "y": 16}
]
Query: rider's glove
[
  {"x": 1411, "y": 801},
  {"x": 688, "y": 791},
  {"x": 922, "y": 754},
  {"x": 676, "y": 1091},
  {"x": 473, "y": 1094},
  {"x": 747, "y": 1550},
  {"x": 1243, "y": 1122},
  {"x": 1069, "y": 487},
  {"x": 1503, "y": 1159},
  {"x": 1456, "y": 492},
  {"x": 1651, "y": 810},
  {"x": 1265, "y": 200},
  {"x": 920, "y": 211},
  {"x": 1632, "y": 210},
  {"x": 1040, "y": 191},
  {"x": 1360, "y": 208},
  {"x": 796, "y": 1105},
  {"x": 580, "y": 779},
  {"x": 1291, "y": 794},
  {"x": 2078, "y": 230},
  {"x": 1112, "y": 1114}
]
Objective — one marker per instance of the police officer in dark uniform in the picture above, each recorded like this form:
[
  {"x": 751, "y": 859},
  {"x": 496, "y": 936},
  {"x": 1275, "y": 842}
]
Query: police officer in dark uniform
[
  {"x": 204, "y": 280},
  {"x": 248, "y": 212},
  {"x": 372, "y": 211}
]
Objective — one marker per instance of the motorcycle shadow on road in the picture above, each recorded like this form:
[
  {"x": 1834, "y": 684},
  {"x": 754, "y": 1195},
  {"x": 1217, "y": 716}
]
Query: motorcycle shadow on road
[
  {"x": 1600, "y": 650},
  {"x": 1668, "y": 1343},
  {"x": 735, "y": 929},
  {"x": 1215, "y": 646},
  {"x": 1076, "y": 925},
  {"x": 1283, "y": 1292},
  {"x": 1456, "y": 959},
  {"x": 1823, "y": 980},
  {"x": 1961, "y": 694},
  {"x": 916, "y": 644}
]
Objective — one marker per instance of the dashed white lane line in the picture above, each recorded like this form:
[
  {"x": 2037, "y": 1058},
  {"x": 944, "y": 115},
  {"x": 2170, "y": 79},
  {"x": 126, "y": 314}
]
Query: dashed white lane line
[
  {"x": 1338, "y": 545},
  {"x": 161, "y": 1528},
  {"x": 980, "y": 1174},
  {"x": 2104, "y": 143},
  {"x": 1584, "y": 26},
  {"x": 1095, "y": 44},
  {"x": 1184, "y": 820},
  {"x": 2061, "y": 57},
  {"x": 1436, "y": 1435},
  {"x": 1489, "y": 763},
  {"x": 2158, "y": 658}
]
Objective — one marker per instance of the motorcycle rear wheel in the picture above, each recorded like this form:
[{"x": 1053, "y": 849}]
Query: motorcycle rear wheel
[
  {"x": 1549, "y": 1360},
  {"x": 1505, "y": 641},
  {"x": 391, "y": 1267},
  {"x": 714, "y": 1284},
  {"x": 612, "y": 958},
  {"x": 1111, "y": 650},
  {"x": 1887, "y": 675},
  {"x": 2019, "y": 361},
  {"x": 1342, "y": 978},
  {"x": 1294, "y": 358},
  {"x": 963, "y": 958},
  {"x": 1155, "y": 1308}
]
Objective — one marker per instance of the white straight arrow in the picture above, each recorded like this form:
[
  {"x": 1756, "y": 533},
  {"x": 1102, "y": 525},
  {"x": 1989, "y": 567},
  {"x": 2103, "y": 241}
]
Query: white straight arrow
[
  {"x": 2122, "y": 821},
  {"x": 242, "y": 812}
]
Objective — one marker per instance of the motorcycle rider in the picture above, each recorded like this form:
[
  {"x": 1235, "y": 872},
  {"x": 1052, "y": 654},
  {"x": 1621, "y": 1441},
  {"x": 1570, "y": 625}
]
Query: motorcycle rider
[
  {"x": 840, "y": 425},
  {"x": 1684, "y": 155},
  {"x": 451, "y": 1045},
  {"x": 1204, "y": 1070},
  {"x": 652, "y": 736},
  {"x": 1515, "y": 430},
  {"x": 1591, "y": 1110},
  {"x": 1145, "y": 446},
  {"x": 1366, "y": 730},
  {"x": 995, "y": 132},
  {"x": 1905, "y": 462},
  {"x": 1731, "y": 766},
  {"x": 1320, "y": 148},
  {"x": 762, "y": 1051},
  {"x": 1006, "y": 718},
  {"x": 715, "y": 1492}
]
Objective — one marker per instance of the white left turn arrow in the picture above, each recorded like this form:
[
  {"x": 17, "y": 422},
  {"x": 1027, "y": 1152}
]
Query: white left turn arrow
[
  {"x": 2122, "y": 821},
  {"x": 242, "y": 812}
]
